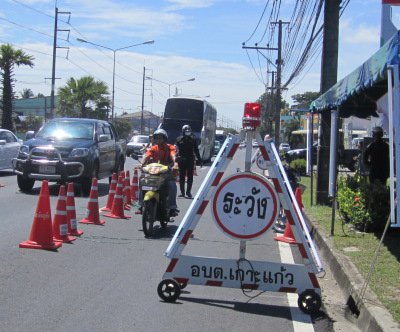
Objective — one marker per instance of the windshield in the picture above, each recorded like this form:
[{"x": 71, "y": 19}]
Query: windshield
[
  {"x": 184, "y": 109},
  {"x": 67, "y": 130}
]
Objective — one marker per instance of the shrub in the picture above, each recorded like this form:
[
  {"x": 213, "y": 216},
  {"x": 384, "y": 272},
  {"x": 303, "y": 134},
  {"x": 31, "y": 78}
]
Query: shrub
[
  {"x": 299, "y": 166},
  {"x": 363, "y": 205}
]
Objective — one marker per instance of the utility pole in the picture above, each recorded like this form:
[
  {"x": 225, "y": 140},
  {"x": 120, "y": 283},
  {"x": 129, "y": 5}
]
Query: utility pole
[
  {"x": 53, "y": 71},
  {"x": 329, "y": 66},
  {"x": 141, "y": 120},
  {"x": 270, "y": 104},
  {"x": 278, "y": 86},
  {"x": 278, "y": 66}
]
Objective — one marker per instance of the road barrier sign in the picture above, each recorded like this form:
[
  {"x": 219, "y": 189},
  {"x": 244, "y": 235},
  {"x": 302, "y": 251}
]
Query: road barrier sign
[{"x": 244, "y": 207}]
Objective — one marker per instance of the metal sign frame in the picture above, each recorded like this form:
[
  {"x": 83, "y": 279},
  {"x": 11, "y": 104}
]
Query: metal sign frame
[{"x": 242, "y": 273}]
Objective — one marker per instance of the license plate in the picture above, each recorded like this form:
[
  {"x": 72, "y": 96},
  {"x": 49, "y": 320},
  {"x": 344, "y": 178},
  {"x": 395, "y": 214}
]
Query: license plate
[
  {"x": 147, "y": 188},
  {"x": 46, "y": 169}
]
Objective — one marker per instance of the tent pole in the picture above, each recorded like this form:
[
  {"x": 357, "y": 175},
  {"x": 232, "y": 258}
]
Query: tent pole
[
  {"x": 393, "y": 107},
  {"x": 333, "y": 165}
]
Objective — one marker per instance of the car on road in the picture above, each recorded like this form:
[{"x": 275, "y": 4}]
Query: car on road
[
  {"x": 70, "y": 150},
  {"x": 301, "y": 154},
  {"x": 284, "y": 147},
  {"x": 9, "y": 147},
  {"x": 217, "y": 147},
  {"x": 136, "y": 145},
  {"x": 345, "y": 157}
]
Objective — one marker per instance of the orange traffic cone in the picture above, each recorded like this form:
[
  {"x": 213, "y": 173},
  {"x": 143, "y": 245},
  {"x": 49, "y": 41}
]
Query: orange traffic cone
[
  {"x": 111, "y": 193},
  {"x": 299, "y": 200},
  {"x": 135, "y": 187},
  {"x": 92, "y": 210},
  {"x": 127, "y": 191},
  {"x": 60, "y": 222},
  {"x": 124, "y": 199},
  {"x": 41, "y": 236},
  {"x": 71, "y": 212},
  {"x": 287, "y": 235},
  {"x": 117, "y": 210}
]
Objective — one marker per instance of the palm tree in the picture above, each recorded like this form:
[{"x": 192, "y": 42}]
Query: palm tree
[
  {"x": 26, "y": 93},
  {"x": 9, "y": 57},
  {"x": 84, "y": 98}
]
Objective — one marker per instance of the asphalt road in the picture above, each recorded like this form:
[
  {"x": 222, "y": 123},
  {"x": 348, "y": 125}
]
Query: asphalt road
[{"x": 107, "y": 279}]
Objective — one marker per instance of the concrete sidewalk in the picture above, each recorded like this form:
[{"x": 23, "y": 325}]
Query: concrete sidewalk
[{"x": 373, "y": 316}]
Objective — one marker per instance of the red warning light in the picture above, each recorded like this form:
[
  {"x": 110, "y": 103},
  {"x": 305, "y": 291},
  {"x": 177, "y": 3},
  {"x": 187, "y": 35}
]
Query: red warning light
[{"x": 251, "y": 116}]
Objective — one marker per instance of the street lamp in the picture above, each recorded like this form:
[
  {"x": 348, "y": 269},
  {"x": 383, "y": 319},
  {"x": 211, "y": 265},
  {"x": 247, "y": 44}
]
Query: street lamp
[
  {"x": 114, "y": 50},
  {"x": 170, "y": 84}
]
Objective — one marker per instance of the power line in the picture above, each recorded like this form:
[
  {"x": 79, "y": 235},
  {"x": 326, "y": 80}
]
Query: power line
[{"x": 25, "y": 27}]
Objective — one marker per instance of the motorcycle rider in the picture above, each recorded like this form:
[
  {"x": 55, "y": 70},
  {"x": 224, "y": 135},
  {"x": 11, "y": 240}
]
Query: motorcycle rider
[
  {"x": 187, "y": 150},
  {"x": 163, "y": 153}
]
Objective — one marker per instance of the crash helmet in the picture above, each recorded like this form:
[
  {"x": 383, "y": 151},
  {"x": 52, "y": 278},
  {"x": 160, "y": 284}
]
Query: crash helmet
[
  {"x": 161, "y": 132},
  {"x": 186, "y": 128},
  {"x": 377, "y": 132}
]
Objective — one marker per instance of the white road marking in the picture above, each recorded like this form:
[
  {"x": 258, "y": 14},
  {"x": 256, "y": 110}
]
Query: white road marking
[{"x": 301, "y": 321}]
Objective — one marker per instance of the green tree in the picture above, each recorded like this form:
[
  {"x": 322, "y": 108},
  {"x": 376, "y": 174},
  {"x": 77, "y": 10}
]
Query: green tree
[
  {"x": 33, "y": 122},
  {"x": 26, "y": 93},
  {"x": 10, "y": 57},
  {"x": 305, "y": 99},
  {"x": 267, "y": 101},
  {"x": 84, "y": 98},
  {"x": 123, "y": 127},
  {"x": 290, "y": 127}
]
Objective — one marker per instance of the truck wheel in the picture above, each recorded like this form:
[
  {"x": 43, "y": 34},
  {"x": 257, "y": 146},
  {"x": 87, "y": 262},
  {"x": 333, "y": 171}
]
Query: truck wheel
[
  {"x": 121, "y": 165},
  {"x": 87, "y": 182},
  {"x": 25, "y": 185}
]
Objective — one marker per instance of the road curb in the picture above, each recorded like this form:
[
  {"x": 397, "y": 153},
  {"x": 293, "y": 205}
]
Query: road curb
[{"x": 373, "y": 317}]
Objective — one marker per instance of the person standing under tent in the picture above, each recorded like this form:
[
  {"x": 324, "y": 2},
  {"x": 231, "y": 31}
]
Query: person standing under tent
[{"x": 376, "y": 156}]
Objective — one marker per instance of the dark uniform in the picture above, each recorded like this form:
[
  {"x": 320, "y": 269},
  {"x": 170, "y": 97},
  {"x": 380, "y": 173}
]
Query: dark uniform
[
  {"x": 187, "y": 150},
  {"x": 376, "y": 156}
]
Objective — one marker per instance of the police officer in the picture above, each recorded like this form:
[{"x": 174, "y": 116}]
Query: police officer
[
  {"x": 187, "y": 150},
  {"x": 376, "y": 156}
]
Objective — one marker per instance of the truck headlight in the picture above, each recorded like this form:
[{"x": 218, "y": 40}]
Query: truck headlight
[
  {"x": 79, "y": 152},
  {"x": 24, "y": 149}
]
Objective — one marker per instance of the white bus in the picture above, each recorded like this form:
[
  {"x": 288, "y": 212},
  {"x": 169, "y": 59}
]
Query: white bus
[{"x": 199, "y": 114}]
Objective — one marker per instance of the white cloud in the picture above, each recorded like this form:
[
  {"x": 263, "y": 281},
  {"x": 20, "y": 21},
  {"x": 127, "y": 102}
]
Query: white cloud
[
  {"x": 185, "y": 4},
  {"x": 127, "y": 20},
  {"x": 361, "y": 34}
]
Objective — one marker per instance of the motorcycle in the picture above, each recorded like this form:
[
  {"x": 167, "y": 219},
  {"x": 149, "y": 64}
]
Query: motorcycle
[{"x": 154, "y": 188}]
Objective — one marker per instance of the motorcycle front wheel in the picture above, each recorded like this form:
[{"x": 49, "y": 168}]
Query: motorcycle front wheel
[{"x": 149, "y": 216}]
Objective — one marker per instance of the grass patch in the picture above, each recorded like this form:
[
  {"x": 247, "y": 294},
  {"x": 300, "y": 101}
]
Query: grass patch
[{"x": 385, "y": 280}]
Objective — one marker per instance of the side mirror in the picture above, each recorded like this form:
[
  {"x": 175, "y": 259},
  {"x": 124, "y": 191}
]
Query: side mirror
[
  {"x": 103, "y": 138},
  {"x": 3, "y": 142},
  {"x": 29, "y": 134}
]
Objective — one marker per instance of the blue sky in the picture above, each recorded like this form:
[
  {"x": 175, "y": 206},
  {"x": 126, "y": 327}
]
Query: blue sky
[{"x": 193, "y": 39}]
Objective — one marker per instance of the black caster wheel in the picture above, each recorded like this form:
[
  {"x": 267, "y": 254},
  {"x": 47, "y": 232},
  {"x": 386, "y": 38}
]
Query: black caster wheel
[
  {"x": 309, "y": 302},
  {"x": 182, "y": 285},
  {"x": 168, "y": 290}
]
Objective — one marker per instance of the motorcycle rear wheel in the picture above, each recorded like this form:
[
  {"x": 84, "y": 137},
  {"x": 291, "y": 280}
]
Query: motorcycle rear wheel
[{"x": 149, "y": 217}]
